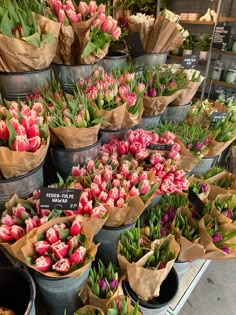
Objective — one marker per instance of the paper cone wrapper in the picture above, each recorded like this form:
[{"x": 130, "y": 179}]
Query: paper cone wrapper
[
  {"x": 89, "y": 229},
  {"x": 203, "y": 196},
  {"x": 89, "y": 309},
  {"x": 216, "y": 190},
  {"x": 16, "y": 163},
  {"x": 229, "y": 176},
  {"x": 120, "y": 297},
  {"x": 189, "y": 251},
  {"x": 133, "y": 27},
  {"x": 68, "y": 47},
  {"x": 146, "y": 282},
  {"x": 198, "y": 119},
  {"x": 216, "y": 148},
  {"x": 164, "y": 36},
  {"x": 213, "y": 252},
  {"x": 188, "y": 161},
  {"x": 221, "y": 218},
  {"x": 157, "y": 105},
  {"x": 18, "y": 56},
  {"x": 186, "y": 95},
  {"x": 74, "y": 138},
  {"x": 95, "y": 56},
  {"x": 130, "y": 119}
]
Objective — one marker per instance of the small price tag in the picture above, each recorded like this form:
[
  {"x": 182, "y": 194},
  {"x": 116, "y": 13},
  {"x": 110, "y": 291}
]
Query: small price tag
[
  {"x": 221, "y": 37},
  {"x": 59, "y": 198},
  {"x": 189, "y": 61},
  {"x": 217, "y": 116},
  {"x": 195, "y": 201},
  {"x": 160, "y": 146}
]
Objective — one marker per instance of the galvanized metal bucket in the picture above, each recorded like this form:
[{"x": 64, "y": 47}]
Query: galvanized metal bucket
[
  {"x": 108, "y": 135},
  {"x": 18, "y": 85},
  {"x": 175, "y": 113},
  {"x": 203, "y": 166},
  {"x": 109, "y": 238},
  {"x": 150, "y": 121},
  {"x": 60, "y": 294},
  {"x": 23, "y": 185},
  {"x": 69, "y": 75},
  {"x": 159, "y": 305},
  {"x": 115, "y": 59},
  {"x": 65, "y": 159},
  {"x": 181, "y": 268},
  {"x": 17, "y": 290},
  {"x": 151, "y": 59}
]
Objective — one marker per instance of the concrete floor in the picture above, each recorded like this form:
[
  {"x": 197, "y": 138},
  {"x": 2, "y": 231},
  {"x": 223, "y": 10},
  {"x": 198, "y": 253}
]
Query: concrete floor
[{"x": 215, "y": 293}]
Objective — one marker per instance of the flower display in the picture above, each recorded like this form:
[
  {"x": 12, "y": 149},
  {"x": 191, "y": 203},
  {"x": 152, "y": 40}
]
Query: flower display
[
  {"x": 121, "y": 305},
  {"x": 226, "y": 206},
  {"x": 60, "y": 246}
]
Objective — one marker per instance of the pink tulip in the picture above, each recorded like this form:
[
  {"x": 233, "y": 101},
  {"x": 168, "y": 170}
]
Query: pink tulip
[
  {"x": 87, "y": 208},
  {"x": 152, "y": 92},
  {"x": 92, "y": 7},
  {"x": 34, "y": 144},
  {"x": 95, "y": 189},
  {"x": 62, "y": 266},
  {"x": 33, "y": 131},
  {"x": 72, "y": 16},
  {"x": 21, "y": 143},
  {"x": 73, "y": 243},
  {"x": 110, "y": 203},
  {"x": 61, "y": 16},
  {"x": 20, "y": 131},
  {"x": 92, "y": 92},
  {"x": 28, "y": 121},
  {"x": 134, "y": 192},
  {"x": 7, "y": 220},
  {"x": 101, "y": 9},
  {"x": 69, "y": 5},
  {"x": 76, "y": 226},
  {"x": 38, "y": 107},
  {"x": 141, "y": 154},
  {"x": 25, "y": 109},
  {"x": 4, "y": 133},
  {"x": 14, "y": 106},
  {"x": 41, "y": 247},
  {"x": 106, "y": 26},
  {"x": 98, "y": 179},
  {"x": 55, "y": 4},
  {"x": 52, "y": 235},
  {"x": 30, "y": 224},
  {"x": 123, "y": 92},
  {"x": 43, "y": 263},
  {"x": 83, "y": 8},
  {"x": 131, "y": 99},
  {"x": 116, "y": 33},
  {"x": 145, "y": 187},
  {"x": 140, "y": 88},
  {"x": 5, "y": 233},
  {"x": 78, "y": 255},
  {"x": 102, "y": 17},
  {"x": 122, "y": 147},
  {"x": 59, "y": 249},
  {"x": 98, "y": 212},
  {"x": 113, "y": 193},
  {"x": 168, "y": 135},
  {"x": 17, "y": 232}
]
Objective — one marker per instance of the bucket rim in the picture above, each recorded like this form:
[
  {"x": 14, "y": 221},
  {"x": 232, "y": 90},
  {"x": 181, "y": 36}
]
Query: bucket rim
[
  {"x": 122, "y": 55},
  {"x": 144, "y": 303},
  {"x": 180, "y": 106},
  {"x": 151, "y": 116},
  {"x": 14, "y": 179},
  {"x": 79, "y": 149},
  {"x": 114, "y": 130},
  {"x": 62, "y": 65},
  {"x": 26, "y": 72},
  {"x": 117, "y": 228},
  {"x": 30, "y": 282}
]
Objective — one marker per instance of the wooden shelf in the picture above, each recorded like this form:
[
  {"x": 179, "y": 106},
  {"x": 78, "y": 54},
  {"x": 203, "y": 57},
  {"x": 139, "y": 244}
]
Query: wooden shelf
[
  {"x": 197, "y": 22},
  {"x": 222, "y": 83},
  {"x": 223, "y": 52},
  {"x": 227, "y": 19}
]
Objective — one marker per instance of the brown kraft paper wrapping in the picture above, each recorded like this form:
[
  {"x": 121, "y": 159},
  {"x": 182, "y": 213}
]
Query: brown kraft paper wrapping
[
  {"x": 15, "y": 163},
  {"x": 89, "y": 228},
  {"x": 193, "y": 180},
  {"x": 122, "y": 296},
  {"x": 188, "y": 161},
  {"x": 186, "y": 95},
  {"x": 17, "y": 55},
  {"x": 221, "y": 218},
  {"x": 216, "y": 148},
  {"x": 75, "y": 138},
  {"x": 145, "y": 282},
  {"x": 131, "y": 120},
  {"x": 189, "y": 251},
  {"x": 157, "y": 105},
  {"x": 95, "y": 57},
  {"x": 216, "y": 190},
  {"x": 68, "y": 47},
  {"x": 89, "y": 309},
  {"x": 213, "y": 252}
]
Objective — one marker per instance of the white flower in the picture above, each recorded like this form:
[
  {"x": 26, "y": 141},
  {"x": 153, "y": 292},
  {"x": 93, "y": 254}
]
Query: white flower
[{"x": 141, "y": 18}]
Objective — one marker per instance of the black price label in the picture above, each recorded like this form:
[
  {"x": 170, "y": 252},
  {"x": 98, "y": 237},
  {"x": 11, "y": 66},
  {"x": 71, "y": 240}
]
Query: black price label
[
  {"x": 217, "y": 116},
  {"x": 189, "y": 61},
  {"x": 160, "y": 146},
  {"x": 221, "y": 37},
  {"x": 196, "y": 201},
  {"x": 59, "y": 198}
]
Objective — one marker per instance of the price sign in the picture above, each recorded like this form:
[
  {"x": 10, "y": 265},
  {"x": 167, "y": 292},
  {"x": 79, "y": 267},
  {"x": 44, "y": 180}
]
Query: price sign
[
  {"x": 217, "y": 116},
  {"x": 59, "y": 198},
  {"x": 196, "y": 201},
  {"x": 135, "y": 45},
  {"x": 189, "y": 61},
  {"x": 160, "y": 146},
  {"x": 221, "y": 37}
]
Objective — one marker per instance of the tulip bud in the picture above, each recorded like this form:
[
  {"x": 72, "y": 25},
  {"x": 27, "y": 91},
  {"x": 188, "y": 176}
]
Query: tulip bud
[
  {"x": 33, "y": 131},
  {"x": 30, "y": 224},
  {"x": 41, "y": 247},
  {"x": 34, "y": 144},
  {"x": 72, "y": 16},
  {"x": 78, "y": 256},
  {"x": 5, "y": 233},
  {"x": 59, "y": 249},
  {"x": 4, "y": 133},
  {"x": 17, "y": 232},
  {"x": 83, "y": 8},
  {"x": 62, "y": 266},
  {"x": 76, "y": 226},
  {"x": 43, "y": 263},
  {"x": 52, "y": 235},
  {"x": 92, "y": 7}
]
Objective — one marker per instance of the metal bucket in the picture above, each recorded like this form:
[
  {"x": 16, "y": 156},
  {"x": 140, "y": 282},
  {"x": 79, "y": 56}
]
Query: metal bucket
[
  {"x": 151, "y": 59},
  {"x": 160, "y": 304},
  {"x": 60, "y": 294},
  {"x": 115, "y": 59},
  {"x": 175, "y": 113},
  {"x": 181, "y": 268},
  {"x": 65, "y": 159},
  {"x": 69, "y": 75},
  {"x": 203, "y": 166},
  {"x": 108, "y": 135},
  {"x": 23, "y": 185},
  {"x": 17, "y": 291},
  {"x": 150, "y": 121},
  {"x": 109, "y": 238},
  {"x": 18, "y": 85}
]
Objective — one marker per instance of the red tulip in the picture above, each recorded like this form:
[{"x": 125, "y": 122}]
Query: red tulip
[
  {"x": 30, "y": 224},
  {"x": 21, "y": 143},
  {"x": 62, "y": 266},
  {"x": 17, "y": 232},
  {"x": 76, "y": 226},
  {"x": 78, "y": 255},
  {"x": 4, "y": 133},
  {"x": 92, "y": 7},
  {"x": 34, "y": 144},
  {"x": 33, "y": 131},
  {"x": 43, "y": 263},
  {"x": 41, "y": 247},
  {"x": 7, "y": 220},
  {"x": 52, "y": 235},
  {"x": 83, "y": 8},
  {"x": 59, "y": 249},
  {"x": 5, "y": 233}
]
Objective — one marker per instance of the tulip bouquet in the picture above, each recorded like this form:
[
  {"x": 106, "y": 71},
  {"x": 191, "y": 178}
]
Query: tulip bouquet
[
  {"x": 61, "y": 247},
  {"x": 224, "y": 209},
  {"x": 218, "y": 239},
  {"x": 72, "y": 119},
  {"x": 147, "y": 274},
  {"x": 213, "y": 171},
  {"x": 200, "y": 188},
  {"x": 89, "y": 310},
  {"x": 102, "y": 285},
  {"x": 24, "y": 137},
  {"x": 119, "y": 99},
  {"x": 187, "y": 232},
  {"x": 85, "y": 28},
  {"x": 121, "y": 305},
  {"x": 25, "y": 38},
  {"x": 162, "y": 87}
]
